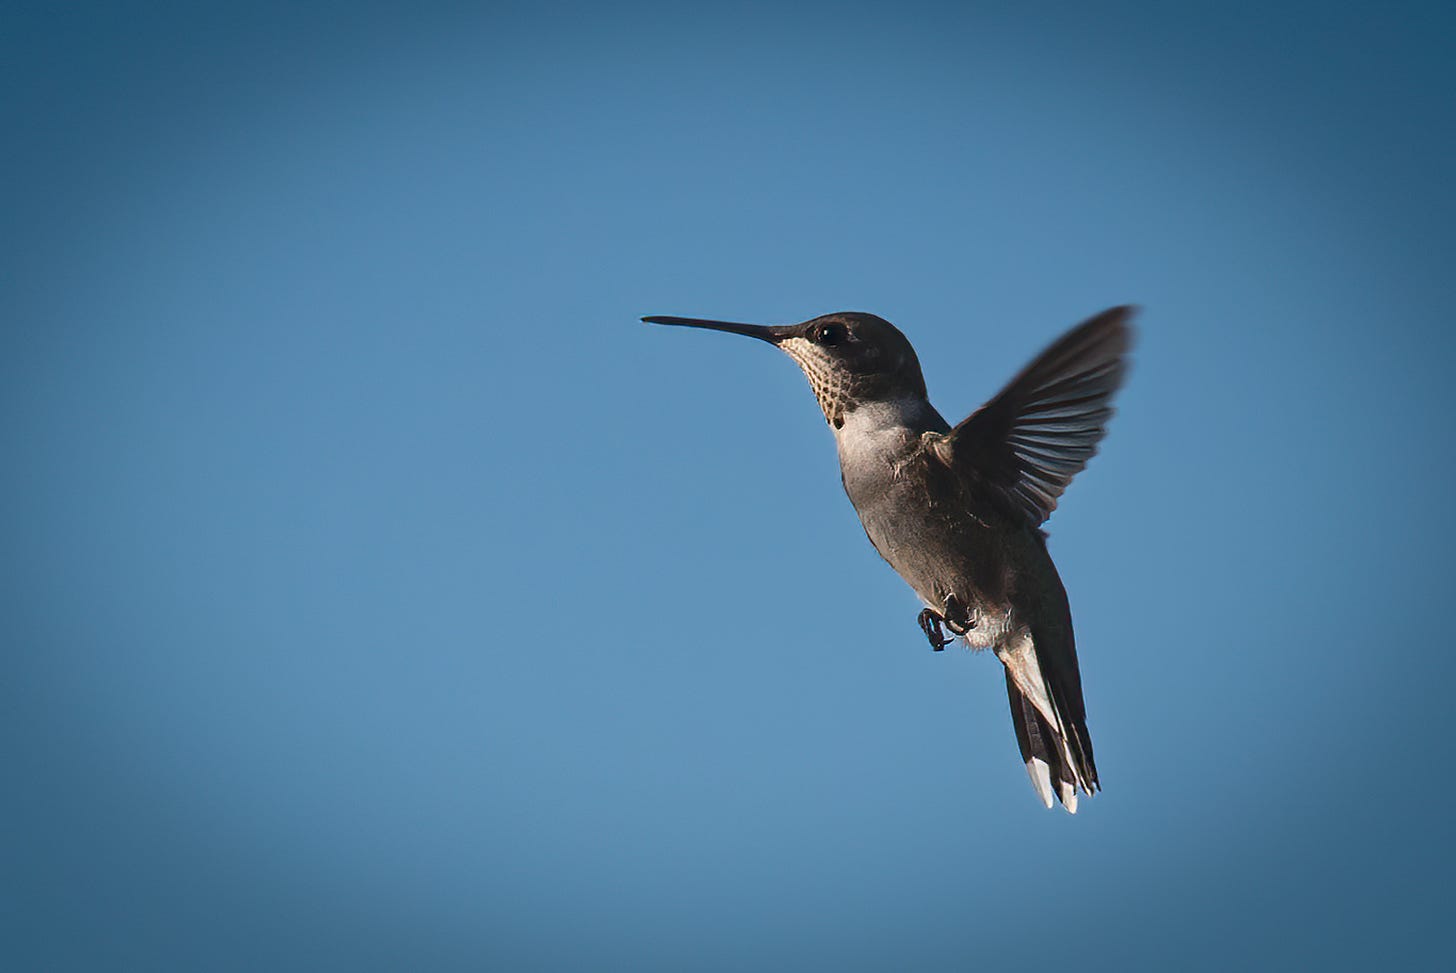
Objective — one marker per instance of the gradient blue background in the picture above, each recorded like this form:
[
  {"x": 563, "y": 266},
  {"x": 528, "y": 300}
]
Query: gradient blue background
[{"x": 379, "y": 594}]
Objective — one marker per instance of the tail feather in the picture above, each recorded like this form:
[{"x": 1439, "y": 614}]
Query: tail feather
[
  {"x": 1033, "y": 746},
  {"x": 1045, "y": 690},
  {"x": 1058, "y": 757}
]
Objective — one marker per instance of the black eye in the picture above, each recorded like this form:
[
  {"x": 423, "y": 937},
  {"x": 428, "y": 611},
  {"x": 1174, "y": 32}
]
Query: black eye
[{"x": 829, "y": 334}]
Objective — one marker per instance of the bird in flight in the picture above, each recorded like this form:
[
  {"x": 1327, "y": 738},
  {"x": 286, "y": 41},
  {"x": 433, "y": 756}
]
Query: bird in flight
[{"x": 957, "y": 511}]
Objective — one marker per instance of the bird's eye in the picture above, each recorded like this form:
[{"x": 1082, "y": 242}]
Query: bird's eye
[{"x": 829, "y": 335}]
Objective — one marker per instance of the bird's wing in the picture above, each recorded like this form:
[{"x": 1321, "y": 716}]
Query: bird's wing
[{"x": 1026, "y": 444}]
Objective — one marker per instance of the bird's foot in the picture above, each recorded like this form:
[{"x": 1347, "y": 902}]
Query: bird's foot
[
  {"x": 930, "y": 623},
  {"x": 957, "y": 619}
]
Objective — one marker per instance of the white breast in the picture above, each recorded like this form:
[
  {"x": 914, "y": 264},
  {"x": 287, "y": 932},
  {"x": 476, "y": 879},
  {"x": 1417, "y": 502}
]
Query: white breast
[{"x": 878, "y": 433}]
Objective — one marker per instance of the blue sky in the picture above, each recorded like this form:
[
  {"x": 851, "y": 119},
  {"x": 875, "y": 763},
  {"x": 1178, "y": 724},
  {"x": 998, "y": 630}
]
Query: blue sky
[{"x": 380, "y": 594}]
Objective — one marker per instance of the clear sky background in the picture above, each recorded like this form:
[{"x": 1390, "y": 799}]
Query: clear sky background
[{"x": 379, "y": 594}]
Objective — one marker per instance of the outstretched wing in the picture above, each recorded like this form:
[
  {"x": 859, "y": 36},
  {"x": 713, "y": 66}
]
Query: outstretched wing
[{"x": 1026, "y": 444}]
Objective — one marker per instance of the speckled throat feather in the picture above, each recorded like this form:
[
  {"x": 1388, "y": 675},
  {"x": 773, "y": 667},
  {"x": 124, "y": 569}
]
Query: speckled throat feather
[{"x": 833, "y": 386}]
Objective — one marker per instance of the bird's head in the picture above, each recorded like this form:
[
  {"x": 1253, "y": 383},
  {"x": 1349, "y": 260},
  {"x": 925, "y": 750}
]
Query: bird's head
[{"x": 849, "y": 357}]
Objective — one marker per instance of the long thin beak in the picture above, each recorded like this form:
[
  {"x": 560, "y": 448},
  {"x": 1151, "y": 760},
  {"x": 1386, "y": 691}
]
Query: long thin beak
[{"x": 773, "y": 334}]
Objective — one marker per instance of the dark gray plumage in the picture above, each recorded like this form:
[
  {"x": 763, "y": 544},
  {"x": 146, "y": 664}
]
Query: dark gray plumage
[{"x": 958, "y": 511}]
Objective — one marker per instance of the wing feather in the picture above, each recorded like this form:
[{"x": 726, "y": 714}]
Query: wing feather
[{"x": 1027, "y": 443}]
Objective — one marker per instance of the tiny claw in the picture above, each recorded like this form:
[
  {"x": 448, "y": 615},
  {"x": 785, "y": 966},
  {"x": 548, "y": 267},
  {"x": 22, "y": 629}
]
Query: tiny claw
[
  {"x": 957, "y": 617},
  {"x": 930, "y": 625}
]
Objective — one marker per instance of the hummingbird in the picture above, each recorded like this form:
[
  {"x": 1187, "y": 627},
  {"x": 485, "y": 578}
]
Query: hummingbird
[{"x": 958, "y": 511}]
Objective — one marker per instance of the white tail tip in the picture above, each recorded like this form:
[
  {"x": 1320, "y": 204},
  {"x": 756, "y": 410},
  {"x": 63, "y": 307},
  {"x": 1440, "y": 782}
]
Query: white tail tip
[
  {"x": 1069, "y": 796},
  {"x": 1041, "y": 779}
]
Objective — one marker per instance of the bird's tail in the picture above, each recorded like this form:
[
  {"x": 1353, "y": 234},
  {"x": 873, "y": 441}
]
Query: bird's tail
[{"x": 1051, "y": 727}]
